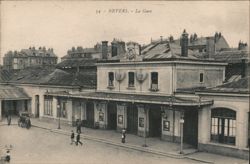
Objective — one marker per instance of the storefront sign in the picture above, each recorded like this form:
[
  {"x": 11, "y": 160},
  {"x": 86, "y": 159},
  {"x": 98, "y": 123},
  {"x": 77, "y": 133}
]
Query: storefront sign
[
  {"x": 141, "y": 122},
  {"x": 120, "y": 119},
  {"x": 101, "y": 116},
  {"x": 166, "y": 125}
]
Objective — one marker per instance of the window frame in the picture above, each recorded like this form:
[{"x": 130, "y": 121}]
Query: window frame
[
  {"x": 152, "y": 81},
  {"x": 201, "y": 77},
  {"x": 223, "y": 126},
  {"x": 111, "y": 82},
  {"x": 48, "y": 105},
  {"x": 131, "y": 85}
]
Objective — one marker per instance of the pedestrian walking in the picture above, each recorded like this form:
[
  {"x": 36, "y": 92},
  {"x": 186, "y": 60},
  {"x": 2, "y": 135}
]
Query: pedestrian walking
[
  {"x": 7, "y": 157},
  {"x": 123, "y": 135},
  {"x": 78, "y": 126},
  {"x": 72, "y": 137},
  {"x": 78, "y": 139},
  {"x": 9, "y": 119}
]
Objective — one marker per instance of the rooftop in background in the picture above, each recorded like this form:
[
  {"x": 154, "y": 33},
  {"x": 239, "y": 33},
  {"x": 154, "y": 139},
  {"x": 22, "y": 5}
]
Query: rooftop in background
[
  {"x": 77, "y": 62},
  {"x": 232, "y": 55},
  {"x": 50, "y": 75},
  {"x": 29, "y": 57},
  {"x": 32, "y": 52},
  {"x": 240, "y": 86},
  {"x": 80, "y": 52}
]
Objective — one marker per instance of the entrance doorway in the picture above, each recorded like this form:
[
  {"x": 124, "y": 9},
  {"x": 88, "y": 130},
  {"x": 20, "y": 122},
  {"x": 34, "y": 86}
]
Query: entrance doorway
[
  {"x": 190, "y": 128},
  {"x": 89, "y": 115},
  {"x": 132, "y": 119},
  {"x": 37, "y": 104},
  {"x": 155, "y": 121},
  {"x": 112, "y": 115}
]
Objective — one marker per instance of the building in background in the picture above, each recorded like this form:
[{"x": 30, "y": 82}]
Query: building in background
[
  {"x": 117, "y": 47},
  {"x": 29, "y": 57}
]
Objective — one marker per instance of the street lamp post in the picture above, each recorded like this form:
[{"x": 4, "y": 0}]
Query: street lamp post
[
  {"x": 181, "y": 128},
  {"x": 59, "y": 115}
]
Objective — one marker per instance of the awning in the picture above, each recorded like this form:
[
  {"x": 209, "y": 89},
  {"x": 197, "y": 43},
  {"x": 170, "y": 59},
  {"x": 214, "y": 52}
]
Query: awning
[
  {"x": 9, "y": 92},
  {"x": 137, "y": 98}
]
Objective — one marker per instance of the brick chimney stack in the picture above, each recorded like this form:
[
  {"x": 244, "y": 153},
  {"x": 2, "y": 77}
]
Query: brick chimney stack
[
  {"x": 104, "y": 49},
  {"x": 242, "y": 46},
  {"x": 210, "y": 47},
  {"x": 184, "y": 44}
]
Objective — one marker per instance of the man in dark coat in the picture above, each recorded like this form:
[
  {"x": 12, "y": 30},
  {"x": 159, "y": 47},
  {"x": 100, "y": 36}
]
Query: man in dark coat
[
  {"x": 78, "y": 139},
  {"x": 9, "y": 119},
  {"x": 78, "y": 126},
  {"x": 72, "y": 137}
]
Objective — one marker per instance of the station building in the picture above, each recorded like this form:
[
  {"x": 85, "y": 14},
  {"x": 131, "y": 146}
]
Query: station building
[{"x": 149, "y": 92}]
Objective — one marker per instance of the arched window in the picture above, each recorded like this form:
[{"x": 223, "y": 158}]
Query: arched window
[{"x": 223, "y": 126}]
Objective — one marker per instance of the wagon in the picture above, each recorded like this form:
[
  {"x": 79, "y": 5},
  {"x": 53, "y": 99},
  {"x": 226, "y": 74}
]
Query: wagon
[{"x": 24, "y": 120}]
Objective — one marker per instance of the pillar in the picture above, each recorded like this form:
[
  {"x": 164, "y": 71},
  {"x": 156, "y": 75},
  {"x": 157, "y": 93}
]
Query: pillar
[
  {"x": 41, "y": 108},
  {"x": 69, "y": 110},
  {"x": 101, "y": 114},
  {"x": 54, "y": 107},
  {"x": 83, "y": 110},
  {"x": 121, "y": 116},
  {"x": 204, "y": 121},
  {"x": 143, "y": 120},
  {"x": 241, "y": 129},
  {"x": 0, "y": 110}
]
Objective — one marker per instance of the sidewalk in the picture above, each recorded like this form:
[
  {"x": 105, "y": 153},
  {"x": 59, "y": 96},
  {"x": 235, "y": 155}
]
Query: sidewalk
[{"x": 155, "y": 145}]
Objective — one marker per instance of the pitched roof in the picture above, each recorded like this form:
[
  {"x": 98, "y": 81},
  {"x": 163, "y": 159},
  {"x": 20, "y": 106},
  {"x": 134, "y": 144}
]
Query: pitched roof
[
  {"x": 9, "y": 92},
  {"x": 240, "y": 86},
  {"x": 166, "y": 50},
  {"x": 232, "y": 56},
  {"x": 56, "y": 77},
  {"x": 5, "y": 75},
  {"x": 77, "y": 62}
]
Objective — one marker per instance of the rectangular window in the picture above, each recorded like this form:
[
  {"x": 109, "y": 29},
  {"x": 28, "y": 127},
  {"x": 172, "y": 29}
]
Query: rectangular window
[
  {"x": 154, "y": 81},
  {"x": 62, "y": 110},
  {"x": 131, "y": 79},
  {"x": 111, "y": 79},
  {"x": 48, "y": 105},
  {"x": 201, "y": 78}
]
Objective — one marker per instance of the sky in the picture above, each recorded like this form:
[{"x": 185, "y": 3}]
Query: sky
[{"x": 63, "y": 24}]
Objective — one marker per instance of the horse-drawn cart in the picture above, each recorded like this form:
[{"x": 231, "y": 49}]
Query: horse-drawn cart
[{"x": 24, "y": 120}]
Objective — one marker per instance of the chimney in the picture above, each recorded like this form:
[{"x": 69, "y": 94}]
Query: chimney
[
  {"x": 243, "y": 68},
  {"x": 104, "y": 49},
  {"x": 242, "y": 46},
  {"x": 161, "y": 38},
  {"x": 210, "y": 47},
  {"x": 114, "y": 48},
  {"x": 140, "y": 49},
  {"x": 184, "y": 44}
]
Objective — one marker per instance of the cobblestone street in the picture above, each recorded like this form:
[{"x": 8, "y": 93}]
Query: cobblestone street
[{"x": 42, "y": 146}]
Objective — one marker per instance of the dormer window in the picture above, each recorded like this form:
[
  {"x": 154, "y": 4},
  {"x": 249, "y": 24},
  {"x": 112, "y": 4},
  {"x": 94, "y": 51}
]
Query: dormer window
[
  {"x": 154, "y": 81},
  {"x": 201, "y": 78},
  {"x": 131, "y": 79},
  {"x": 111, "y": 79}
]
